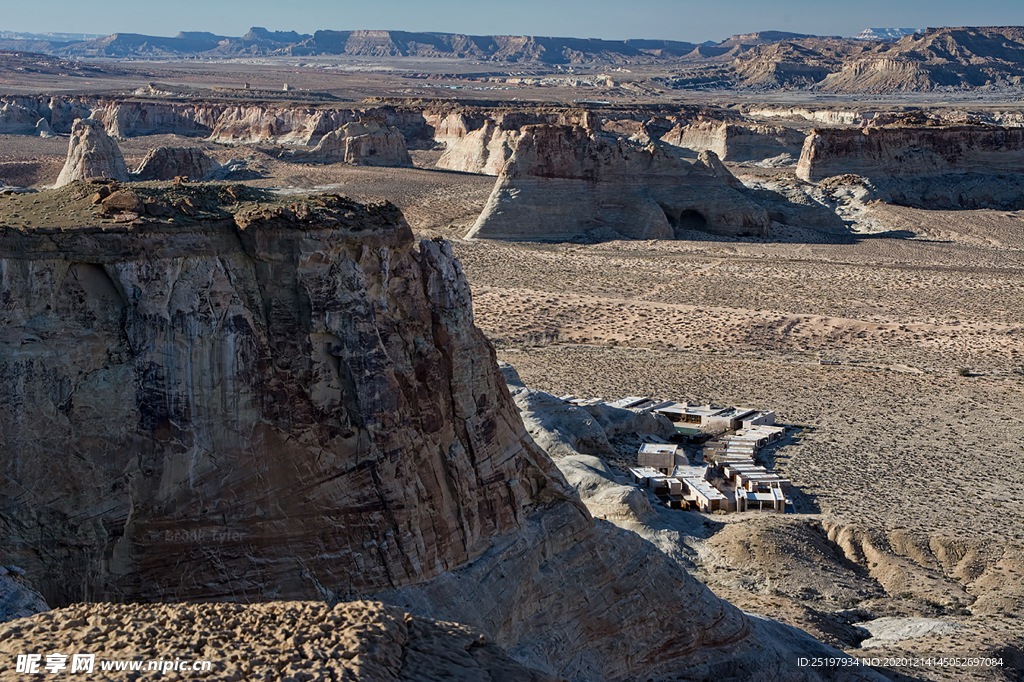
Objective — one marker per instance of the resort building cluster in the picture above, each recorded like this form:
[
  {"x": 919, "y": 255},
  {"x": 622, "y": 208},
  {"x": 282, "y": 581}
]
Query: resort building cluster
[{"x": 724, "y": 476}]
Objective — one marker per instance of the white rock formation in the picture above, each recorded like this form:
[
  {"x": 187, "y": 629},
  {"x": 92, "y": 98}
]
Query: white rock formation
[
  {"x": 366, "y": 143},
  {"x": 563, "y": 182},
  {"x": 92, "y": 154},
  {"x": 482, "y": 151}
]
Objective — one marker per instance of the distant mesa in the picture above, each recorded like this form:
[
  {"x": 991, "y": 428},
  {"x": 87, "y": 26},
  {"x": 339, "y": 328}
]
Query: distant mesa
[
  {"x": 878, "y": 60},
  {"x": 762, "y": 37}
]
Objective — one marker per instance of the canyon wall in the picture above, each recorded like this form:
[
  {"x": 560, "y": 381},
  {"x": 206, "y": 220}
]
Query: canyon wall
[
  {"x": 961, "y": 167},
  {"x": 365, "y": 143},
  {"x": 225, "y": 123},
  {"x": 273, "y": 393},
  {"x": 481, "y": 151},
  {"x": 737, "y": 142},
  {"x": 901, "y": 152}
]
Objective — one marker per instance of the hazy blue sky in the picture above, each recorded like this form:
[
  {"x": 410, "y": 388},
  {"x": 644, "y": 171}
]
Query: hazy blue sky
[{"x": 613, "y": 19}]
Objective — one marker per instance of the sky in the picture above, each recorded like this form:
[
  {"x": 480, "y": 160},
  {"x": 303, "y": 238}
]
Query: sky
[{"x": 686, "y": 20}]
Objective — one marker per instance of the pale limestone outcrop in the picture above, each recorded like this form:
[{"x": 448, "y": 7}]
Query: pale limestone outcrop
[
  {"x": 295, "y": 403},
  {"x": 18, "y": 115},
  {"x": 92, "y": 154},
  {"x": 482, "y": 151},
  {"x": 349, "y": 641},
  {"x": 366, "y": 143},
  {"x": 167, "y": 163},
  {"x": 449, "y": 128},
  {"x": 562, "y": 182}
]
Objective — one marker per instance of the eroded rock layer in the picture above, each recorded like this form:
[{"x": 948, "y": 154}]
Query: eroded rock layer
[
  {"x": 269, "y": 390},
  {"x": 167, "y": 163},
  {"x": 563, "y": 181},
  {"x": 879, "y": 153},
  {"x": 924, "y": 167},
  {"x": 92, "y": 154},
  {"x": 366, "y": 143},
  {"x": 738, "y": 142}
]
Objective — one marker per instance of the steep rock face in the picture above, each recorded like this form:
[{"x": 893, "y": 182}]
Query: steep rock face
[
  {"x": 91, "y": 154},
  {"x": 562, "y": 181},
  {"x": 275, "y": 392},
  {"x": 877, "y": 153},
  {"x": 132, "y": 118},
  {"x": 482, "y": 151},
  {"x": 449, "y": 128},
  {"x": 737, "y": 142},
  {"x": 350, "y": 641},
  {"x": 167, "y": 163},
  {"x": 366, "y": 143},
  {"x": 304, "y": 125},
  {"x": 294, "y": 403},
  {"x": 17, "y": 115},
  {"x": 926, "y": 167}
]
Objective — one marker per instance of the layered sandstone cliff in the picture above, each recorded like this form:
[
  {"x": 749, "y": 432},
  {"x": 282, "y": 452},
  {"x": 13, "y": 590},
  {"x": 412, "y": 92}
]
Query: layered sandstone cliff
[
  {"x": 900, "y": 152},
  {"x": 561, "y": 182},
  {"x": 482, "y": 151},
  {"x": 291, "y": 401},
  {"x": 366, "y": 143},
  {"x": 737, "y": 142},
  {"x": 924, "y": 167}
]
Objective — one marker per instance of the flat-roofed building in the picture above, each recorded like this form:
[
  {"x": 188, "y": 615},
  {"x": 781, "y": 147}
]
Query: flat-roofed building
[
  {"x": 698, "y": 491},
  {"x": 758, "y": 419},
  {"x": 660, "y": 456}
]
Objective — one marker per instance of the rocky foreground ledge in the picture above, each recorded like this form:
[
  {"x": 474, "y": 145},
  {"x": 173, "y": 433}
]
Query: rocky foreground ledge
[
  {"x": 231, "y": 396},
  {"x": 278, "y": 641}
]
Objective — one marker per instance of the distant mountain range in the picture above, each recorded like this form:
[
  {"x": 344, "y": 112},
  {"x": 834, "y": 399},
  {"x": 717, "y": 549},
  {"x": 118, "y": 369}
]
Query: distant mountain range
[
  {"x": 877, "y": 61},
  {"x": 260, "y": 41}
]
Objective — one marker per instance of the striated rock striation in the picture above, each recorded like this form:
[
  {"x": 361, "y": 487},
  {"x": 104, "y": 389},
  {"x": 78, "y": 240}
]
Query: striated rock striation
[
  {"x": 738, "y": 142},
  {"x": 167, "y": 163},
  {"x": 366, "y": 143},
  {"x": 482, "y": 151},
  {"x": 265, "y": 387},
  {"x": 291, "y": 401},
  {"x": 925, "y": 167},
  {"x": 92, "y": 154},
  {"x": 563, "y": 181},
  {"x": 890, "y": 152}
]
